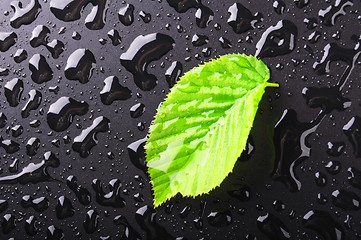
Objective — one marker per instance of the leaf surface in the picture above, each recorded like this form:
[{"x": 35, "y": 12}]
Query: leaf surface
[{"x": 202, "y": 127}]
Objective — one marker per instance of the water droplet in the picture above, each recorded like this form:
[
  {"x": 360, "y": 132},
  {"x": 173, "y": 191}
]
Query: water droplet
[
  {"x": 314, "y": 36},
  {"x": 32, "y": 104},
  {"x": 40, "y": 69},
  {"x": 324, "y": 224},
  {"x": 13, "y": 90},
  {"x": 355, "y": 178},
  {"x": 126, "y": 14},
  {"x": 173, "y": 73},
  {"x": 277, "y": 40},
  {"x": 96, "y": 18},
  {"x": 24, "y": 15},
  {"x": 310, "y": 22},
  {"x": 80, "y": 65},
  {"x": 38, "y": 204},
  {"x": 204, "y": 16},
  {"x": 199, "y": 40},
  {"x": 220, "y": 219},
  {"x": 292, "y": 147},
  {"x": 76, "y": 36},
  {"x": 137, "y": 154},
  {"x": 353, "y": 132},
  {"x": 4, "y": 72},
  {"x": 225, "y": 43},
  {"x": 34, "y": 172},
  {"x": 146, "y": 218},
  {"x": 54, "y": 233},
  {"x": 31, "y": 226},
  {"x": 20, "y": 55},
  {"x": 198, "y": 223},
  {"x": 115, "y": 37},
  {"x": 146, "y": 17},
  {"x": 241, "y": 19},
  {"x": 17, "y": 130},
  {"x": 326, "y": 98},
  {"x": 272, "y": 227},
  {"x": 8, "y": 223},
  {"x": 62, "y": 112},
  {"x": 278, "y": 205},
  {"x": 4, "y": 204},
  {"x": 113, "y": 91},
  {"x": 334, "y": 52},
  {"x": 14, "y": 166},
  {"x": 279, "y": 7},
  {"x": 7, "y": 39},
  {"x": 87, "y": 139},
  {"x": 301, "y": 3},
  {"x": 91, "y": 221},
  {"x": 329, "y": 15},
  {"x": 71, "y": 10},
  {"x": 185, "y": 211},
  {"x": 64, "y": 208},
  {"x": 3, "y": 120},
  {"x": 321, "y": 198},
  {"x": 182, "y": 6},
  {"x": 141, "y": 52},
  {"x": 112, "y": 198},
  {"x": 81, "y": 192},
  {"x": 333, "y": 167},
  {"x": 137, "y": 110},
  {"x": 129, "y": 232},
  {"x": 346, "y": 200},
  {"x": 321, "y": 179},
  {"x": 207, "y": 51},
  {"x": 243, "y": 194}
]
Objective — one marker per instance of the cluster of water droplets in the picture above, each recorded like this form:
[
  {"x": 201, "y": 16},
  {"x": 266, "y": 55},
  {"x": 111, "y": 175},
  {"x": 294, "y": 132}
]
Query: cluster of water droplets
[{"x": 80, "y": 82}]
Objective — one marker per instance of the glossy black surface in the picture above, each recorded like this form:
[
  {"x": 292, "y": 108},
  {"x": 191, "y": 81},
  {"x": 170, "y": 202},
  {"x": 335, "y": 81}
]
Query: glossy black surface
[{"x": 80, "y": 81}]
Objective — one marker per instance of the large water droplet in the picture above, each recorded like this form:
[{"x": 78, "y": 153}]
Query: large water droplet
[
  {"x": 346, "y": 200},
  {"x": 40, "y": 69},
  {"x": 24, "y": 15},
  {"x": 34, "y": 172},
  {"x": 32, "y": 104},
  {"x": 113, "y": 91},
  {"x": 13, "y": 90},
  {"x": 220, "y": 219},
  {"x": 80, "y": 65},
  {"x": 91, "y": 221},
  {"x": 277, "y": 40},
  {"x": 88, "y": 137},
  {"x": 204, "y": 15},
  {"x": 7, "y": 39},
  {"x": 329, "y": 15},
  {"x": 81, "y": 192},
  {"x": 324, "y": 224},
  {"x": 353, "y": 132},
  {"x": 146, "y": 218},
  {"x": 141, "y": 52},
  {"x": 241, "y": 19},
  {"x": 64, "y": 208},
  {"x": 173, "y": 73},
  {"x": 112, "y": 198},
  {"x": 273, "y": 227},
  {"x": 62, "y": 112},
  {"x": 126, "y": 14}
]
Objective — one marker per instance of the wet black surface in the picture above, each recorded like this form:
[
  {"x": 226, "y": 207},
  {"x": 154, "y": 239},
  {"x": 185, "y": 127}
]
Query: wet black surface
[{"x": 79, "y": 87}]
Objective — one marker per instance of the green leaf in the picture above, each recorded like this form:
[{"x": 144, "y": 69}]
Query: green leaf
[{"x": 202, "y": 127}]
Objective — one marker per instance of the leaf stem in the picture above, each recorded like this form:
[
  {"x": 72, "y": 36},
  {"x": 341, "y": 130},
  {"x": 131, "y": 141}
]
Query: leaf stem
[{"x": 269, "y": 84}]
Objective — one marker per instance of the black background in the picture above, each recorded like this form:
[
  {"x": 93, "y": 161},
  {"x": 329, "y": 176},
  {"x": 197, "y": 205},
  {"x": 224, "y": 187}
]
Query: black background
[{"x": 254, "y": 172}]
